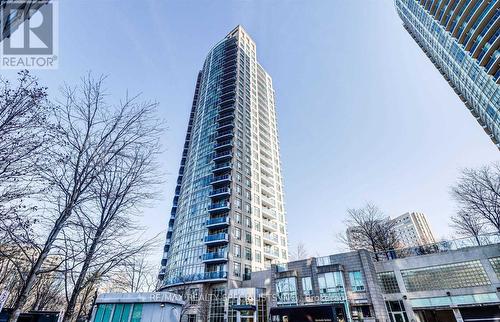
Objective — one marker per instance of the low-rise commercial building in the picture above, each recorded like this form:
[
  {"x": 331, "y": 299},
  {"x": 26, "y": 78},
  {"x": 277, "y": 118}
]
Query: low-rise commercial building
[{"x": 440, "y": 282}]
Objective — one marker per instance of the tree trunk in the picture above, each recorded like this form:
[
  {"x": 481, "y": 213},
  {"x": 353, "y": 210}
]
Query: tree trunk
[
  {"x": 22, "y": 296},
  {"x": 81, "y": 277}
]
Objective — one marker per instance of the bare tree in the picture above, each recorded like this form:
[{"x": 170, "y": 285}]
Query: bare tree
[
  {"x": 469, "y": 225},
  {"x": 196, "y": 300},
  {"x": 477, "y": 193},
  {"x": 299, "y": 252},
  {"x": 24, "y": 135},
  {"x": 137, "y": 274},
  {"x": 368, "y": 228},
  {"x": 124, "y": 185},
  {"x": 90, "y": 135}
]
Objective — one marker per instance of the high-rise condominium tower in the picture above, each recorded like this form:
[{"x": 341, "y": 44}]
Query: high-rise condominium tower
[
  {"x": 412, "y": 229},
  {"x": 462, "y": 38},
  {"x": 228, "y": 217}
]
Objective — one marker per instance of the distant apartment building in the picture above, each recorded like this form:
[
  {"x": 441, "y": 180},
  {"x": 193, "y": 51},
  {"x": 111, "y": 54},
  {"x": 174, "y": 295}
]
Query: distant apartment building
[
  {"x": 14, "y": 12},
  {"x": 412, "y": 229},
  {"x": 448, "y": 281},
  {"x": 462, "y": 39}
]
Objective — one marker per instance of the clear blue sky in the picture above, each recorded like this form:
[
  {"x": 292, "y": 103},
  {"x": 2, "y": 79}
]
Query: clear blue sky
[{"x": 363, "y": 114}]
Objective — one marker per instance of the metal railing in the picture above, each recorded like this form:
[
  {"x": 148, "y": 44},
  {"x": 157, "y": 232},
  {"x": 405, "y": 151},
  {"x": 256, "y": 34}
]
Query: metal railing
[
  {"x": 196, "y": 277},
  {"x": 216, "y": 237},
  {"x": 219, "y": 220},
  {"x": 214, "y": 255},
  {"x": 439, "y": 247}
]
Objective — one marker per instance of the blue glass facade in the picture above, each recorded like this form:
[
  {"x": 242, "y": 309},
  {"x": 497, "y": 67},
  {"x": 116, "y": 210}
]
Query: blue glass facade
[
  {"x": 462, "y": 38},
  {"x": 227, "y": 218}
]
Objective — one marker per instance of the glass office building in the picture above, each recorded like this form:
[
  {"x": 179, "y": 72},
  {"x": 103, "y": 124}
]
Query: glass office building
[
  {"x": 462, "y": 38},
  {"x": 228, "y": 217}
]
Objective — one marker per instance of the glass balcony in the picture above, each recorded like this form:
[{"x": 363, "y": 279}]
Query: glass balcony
[
  {"x": 270, "y": 238},
  {"x": 269, "y": 252},
  {"x": 216, "y": 239},
  {"x": 227, "y": 106},
  {"x": 269, "y": 213},
  {"x": 223, "y": 155},
  {"x": 222, "y": 166},
  {"x": 218, "y": 222},
  {"x": 225, "y": 125},
  {"x": 225, "y": 117},
  {"x": 223, "y": 145},
  {"x": 224, "y": 135},
  {"x": 269, "y": 202},
  {"x": 214, "y": 257},
  {"x": 219, "y": 206},
  {"x": 193, "y": 278},
  {"x": 269, "y": 225},
  {"x": 220, "y": 192},
  {"x": 221, "y": 179}
]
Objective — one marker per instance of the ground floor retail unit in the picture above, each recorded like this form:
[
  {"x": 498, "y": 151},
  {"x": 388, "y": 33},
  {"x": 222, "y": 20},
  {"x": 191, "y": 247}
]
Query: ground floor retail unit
[{"x": 466, "y": 314}]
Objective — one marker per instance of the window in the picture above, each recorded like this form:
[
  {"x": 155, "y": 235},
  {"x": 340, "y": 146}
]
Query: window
[
  {"x": 356, "y": 280},
  {"x": 236, "y": 269},
  {"x": 194, "y": 295},
  {"x": 307, "y": 286},
  {"x": 388, "y": 282},
  {"x": 191, "y": 318},
  {"x": 248, "y": 253},
  {"x": 248, "y": 272},
  {"x": 286, "y": 290},
  {"x": 457, "y": 275},
  {"x": 237, "y": 251},
  {"x": 495, "y": 263},
  {"x": 258, "y": 256},
  {"x": 331, "y": 287},
  {"x": 248, "y": 222},
  {"x": 237, "y": 233},
  {"x": 248, "y": 237},
  {"x": 396, "y": 308}
]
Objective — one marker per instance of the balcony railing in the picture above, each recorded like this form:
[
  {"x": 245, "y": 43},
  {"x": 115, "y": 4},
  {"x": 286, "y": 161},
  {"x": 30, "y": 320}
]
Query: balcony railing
[
  {"x": 223, "y": 134},
  {"x": 224, "y": 125},
  {"x": 223, "y": 155},
  {"x": 271, "y": 237},
  {"x": 196, "y": 277},
  {"x": 217, "y": 222},
  {"x": 222, "y": 118},
  {"x": 219, "y": 179},
  {"x": 215, "y": 256},
  {"x": 216, "y": 238},
  {"x": 439, "y": 247},
  {"x": 269, "y": 213},
  {"x": 270, "y": 225},
  {"x": 221, "y": 166},
  {"x": 223, "y": 205},
  {"x": 227, "y": 143},
  {"x": 271, "y": 252},
  {"x": 220, "y": 192}
]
